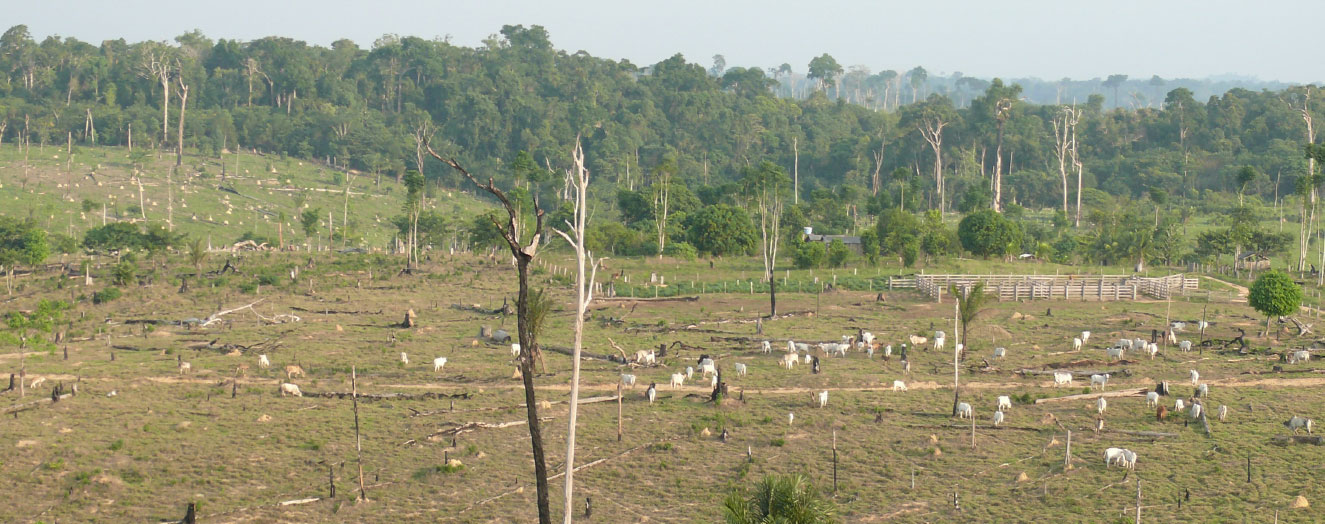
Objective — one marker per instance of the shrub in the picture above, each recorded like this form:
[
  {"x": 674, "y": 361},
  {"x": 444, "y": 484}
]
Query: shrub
[
  {"x": 681, "y": 250},
  {"x": 106, "y": 295}
]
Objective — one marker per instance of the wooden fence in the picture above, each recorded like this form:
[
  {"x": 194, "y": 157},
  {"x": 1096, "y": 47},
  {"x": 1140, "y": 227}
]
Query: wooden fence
[{"x": 1064, "y": 287}]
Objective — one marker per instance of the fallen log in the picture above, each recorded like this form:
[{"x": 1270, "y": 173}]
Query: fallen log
[
  {"x": 342, "y": 395},
  {"x": 968, "y": 426},
  {"x": 583, "y": 401},
  {"x": 694, "y": 298},
  {"x": 335, "y": 312},
  {"x": 1284, "y": 440},
  {"x": 1151, "y": 434},
  {"x": 475, "y": 426},
  {"x": 584, "y": 355},
  {"x": 1133, "y": 392},
  {"x": 32, "y": 405},
  {"x": 1075, "y": 373}
]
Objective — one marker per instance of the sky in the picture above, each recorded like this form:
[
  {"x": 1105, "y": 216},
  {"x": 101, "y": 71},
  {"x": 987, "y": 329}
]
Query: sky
[{"x": 1049, "y": 39}]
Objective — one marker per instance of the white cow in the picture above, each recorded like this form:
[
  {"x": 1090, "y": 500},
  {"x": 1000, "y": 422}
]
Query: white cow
[
  {"x": 690, "y": 372},
  {"x": 1114, "y": 455},
  {"x": 290, "y": 389},
  {"x": 628, "y": 380},
  {"x": 1299, "y": 356},
  {"x": 1223, "y": 412},
  {"x": 1062, "y": 377},
  {"x": 652, "y": 392},
  {"x": 1153, "y": 350},
  {"x": 917, "y": 341},
  {"x": 515, "y": 349},
  {"x": 740, "y": 368},
  {"x": 1102, "y": 380},
  {"x": 1100, "y": 405},
  {"x": 1124, "y": 343},
  {"x": 823, "y": 398},
  {"x": 1185, "y": 345},
  {"x": 788, "y": 360},
  {"x": 808, "y": 358},
  {"x": 1000, "y": 352},
  {"x": 1004, "y": 402},
  {"x": 1085, "y": 337},
  {"x": 1076, "y": 344},
  {"x": 1297, "y": 423},
  {"x": 438, "y": 363},
  {"x": 1203, "y": 390},
  {"x": 791, "y": 347},
  {"x": 1196, "y": 411},
  {"x": 1114, "y": 353},
  {"x": 899, "y": 385},
  {"x": 964, "y": 410},
  {"x": 1152, "y": 399},
  {"x": 791, "y": 418},
  {"x": 404, "y": 359},
  {"x": 998, "y": 418},
  {"x": 1129, "y": 459},
  {"x": 708, "y": 367},
  {"x": 768, "y": 347},
  {"x": 645, "y": 357},
  {"x": 677, "y": 380},
  {"x": 263, "y": 363},
  {"x": 888, "y": 351},
  {"x": 1196, "y": 377},
  {"x": 939, "y": 342},
  {"x": 1179, "y": 405}
]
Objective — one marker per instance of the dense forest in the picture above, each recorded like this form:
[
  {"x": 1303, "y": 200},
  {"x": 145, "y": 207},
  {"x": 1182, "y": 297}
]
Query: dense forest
[{"x": 670, "y": 144}]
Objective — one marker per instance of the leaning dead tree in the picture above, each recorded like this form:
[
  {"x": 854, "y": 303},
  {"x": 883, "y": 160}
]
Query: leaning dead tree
[
  {"x": 583, "y": 294},
  {"x": 524, "y": 247},
  {"x": 1064, "y": 142}
]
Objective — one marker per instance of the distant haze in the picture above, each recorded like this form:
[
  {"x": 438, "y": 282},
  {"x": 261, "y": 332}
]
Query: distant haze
[{"x": 1270, "y": 40}]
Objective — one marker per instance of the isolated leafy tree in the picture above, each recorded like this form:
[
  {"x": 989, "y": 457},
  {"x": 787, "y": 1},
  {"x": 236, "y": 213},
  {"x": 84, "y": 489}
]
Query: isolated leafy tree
[
  {"x": 23, "y": 328},
  {"x": 838, "y": 253},
  {"x": 197, "y": 255},
  {"x": 308, "y": 219},
  {"x": 1274, "y": 294},
  {"x": 987, "y": 233},
  {"x": 722, "y": 230},
  {"x": 117, "y": 236},
  {"x": 809, "y": 254},
  {"x": 869, "y": 244},
  {"x": 20, "y": 243},
  {"x": 782, "y": 499}
]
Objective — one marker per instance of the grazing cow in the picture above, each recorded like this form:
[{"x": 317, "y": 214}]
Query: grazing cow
[
  {"x": 1129, "y": 459},
  {"x": 1139, "y": 344},
  {"x": 808, "y": 358},
  {"x": 1196, "y": 411},
  {"x": 404, "y": 359},
  {"x": 1196, "y": 377},
  {"x": 438, "y": 363},
  {"x": 185, "y": 367},
  {"x": 1062, "y": 377},
  {"x": 939, "y": 342},
  {"x": 628, "y": 380},
  {"x": 917, "y": 341},
  {"x": 899, "y": 385},
  {"x": 1085, "y": 337},
  {"x": 515, "y": 349},
  {"x": 293, "y": 370},
  {"x": 791, "y": 418},
  {"x": 652, "y": 393},
  {"x": 1125, "y": 343},
  {"x": 1179, "y": 405},
  {"x": 1112, "y": 455},
  {"x": 888, "y": 351},
  {"x": 263, "y": 363},
  {"x": 1153, "y": 350},
  {"x": 998, "y": 418},
  {"x": 1170, "y": 338},
  {"x": 823, "y": 398},
  {"x": 867, "y": 338},
  {"x": 1161, "y": 413},
  {"x": 1004, "y": 402},
  {"x": 869, "y": 351},
  {"x": 964, "y": 410},
  {"x": 713, "y": 381},
  {"x": 1297, "y": 423},
  {"x": 802, "y": 347},
  {"x": 1114, "y": 353},
  {"x": 1299, "y": 356},
  {"x": 677, "y": 380},
  {"x": 1000, "y": 352},
  {"x": 1179, "y": 326},
  {"x": 1076, "y": 344},
  {"x": 788, "y": 360},
  {"x": 1152, "y": 399},
  {"x": 645, "y": 357},
  {"x": 1100, "y": 405},
  {"x": 768, "y": 347},
  {"x": 1203, "y": 390},
  {"x": 1102, "y": 380},
  {"x": 791, "y": 347},
  {"x": 37, "y": 382},
  {"x": 1185, "y": 345},
  {"x": 740, "y": 368},
  {"x": 1202, "y": 325},
  {"x": 1223, "y": 412},
  {"x": 707, "y": 367},
  {"x": 290, "y": 389}
]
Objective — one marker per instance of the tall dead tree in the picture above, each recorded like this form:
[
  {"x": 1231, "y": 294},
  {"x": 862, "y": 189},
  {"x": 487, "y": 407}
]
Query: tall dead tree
[
  {"x": 1002, "y": 110},
  {"x": 1076, "y": 162},
  {"x": 766, "y": 186},
  {"x": 1305, "y": 235},
  {"x": 662, "y": 193},
  {"x": 583, "y": 295},
  {"x": 156, "y": 66},
  {"x": 183, "y": 102},
  {"x": 524, "y": 252},
  {"x": 931, "y": 129},
  {"x": 876, "y": 181},
  {"x": 1064, "y": 141}
]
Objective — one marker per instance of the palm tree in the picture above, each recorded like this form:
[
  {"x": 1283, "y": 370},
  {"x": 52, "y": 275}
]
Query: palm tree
[
  {"x": 788, "y": 499},
  {"x": 969, "y": 304},
  {"x": 197, "y": 256}
]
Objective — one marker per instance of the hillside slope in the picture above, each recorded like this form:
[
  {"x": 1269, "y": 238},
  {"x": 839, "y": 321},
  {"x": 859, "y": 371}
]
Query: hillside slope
[{"x": 66, "y": 193}]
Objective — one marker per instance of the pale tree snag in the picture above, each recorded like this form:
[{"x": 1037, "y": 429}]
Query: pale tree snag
[
  {"x": 796, "y": 171},
  {"x": 766, "y": 186},
  {"x": 931, "y": 129},
  {"x": 662, "y": 193},
  {"x": 524, "y": 253},
  {"x": 1076, "y": 162},
  {"x": 1305, "y": 235},
  {"x": 875, "y": 180},
  {"x": 1002, "y": 109},
  {"x": 183, "y": 101},
  {"x": 156, "y": 66},
  {"x": 1064, "y": 141},
  {"x": 583, "y": 295},
  {"x": 345, "y": 211},
  {"x": 423, "y": 133}
]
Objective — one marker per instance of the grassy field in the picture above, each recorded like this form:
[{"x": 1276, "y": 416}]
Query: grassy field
[
  {"x": 52, "y": 186},
  {"x": 166, "y": 439}
]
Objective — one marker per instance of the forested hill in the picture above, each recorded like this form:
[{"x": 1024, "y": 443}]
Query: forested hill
[{"x": 364, "y": 108}]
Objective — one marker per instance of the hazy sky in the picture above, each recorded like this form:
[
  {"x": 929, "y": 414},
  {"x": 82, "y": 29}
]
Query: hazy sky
[{"x": 1050, "y": 39}]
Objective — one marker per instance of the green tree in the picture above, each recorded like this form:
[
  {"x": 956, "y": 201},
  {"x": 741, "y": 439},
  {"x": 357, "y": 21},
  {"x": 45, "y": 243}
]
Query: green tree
[
  {"x": 782, "y": 499},
  {"x": 21, "y": 242},
  {"x": 24, "y": 328},
  {"x": 869, "y": 244},
  {"x": 1274, "y": 294},
  {"x": 308, "y": 219},
  {"x": 197, "y": 256},
  {"x": 1245, "y": 176},
  {"x": 721, "y": 230},
  {"x": 824, "y": 69},
  {"x": 116, "y": 236},
  {"x": 809, "y": 254},
  {"x": 838, "y": 254},
  {"x": 987, "y": 233}
]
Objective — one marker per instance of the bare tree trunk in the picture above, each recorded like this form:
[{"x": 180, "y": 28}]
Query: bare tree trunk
[
  {"x": 796, "y": 170},
  {"x": 932, "y": 131},
  {"x": 179, "y": 141}
]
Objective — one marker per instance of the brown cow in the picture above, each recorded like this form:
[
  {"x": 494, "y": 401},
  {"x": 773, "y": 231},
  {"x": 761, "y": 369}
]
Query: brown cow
[{"x": 1160, "y": 413}]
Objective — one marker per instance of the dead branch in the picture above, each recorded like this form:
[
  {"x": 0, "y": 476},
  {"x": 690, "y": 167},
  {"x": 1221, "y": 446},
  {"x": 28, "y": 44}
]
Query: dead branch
[
  {"x": 342, "y": 395},
  {"x": 217, "y": 316},
  {"x": 583, "y": 401},
  {"x": 1284, "y": 440},
  {"x": 1138, "y": 392}
]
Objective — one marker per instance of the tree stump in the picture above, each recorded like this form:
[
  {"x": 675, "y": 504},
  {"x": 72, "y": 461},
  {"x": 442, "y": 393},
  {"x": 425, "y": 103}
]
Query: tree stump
[{"x": 410, "y": 318}]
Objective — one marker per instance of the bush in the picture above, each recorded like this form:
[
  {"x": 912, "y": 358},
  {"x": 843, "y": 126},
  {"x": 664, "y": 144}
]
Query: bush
[
  {"x": 809, "y": 254},
  {"x": 123, "y": 273},
  {"x": 682, "y": 250},
  {"x": 106, "y": 295},
  {"x": 838, "y": 254},
  {"x": 987, "y": 233}
]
